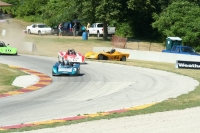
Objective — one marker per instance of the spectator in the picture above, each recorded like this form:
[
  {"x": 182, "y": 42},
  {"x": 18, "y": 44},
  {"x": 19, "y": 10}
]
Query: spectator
[
  {"x": 83, "y": 28},
  {"x": 75, "y": 28},
  {"x": 60, "y": 29},
  {"x": 88, "y": 26}
]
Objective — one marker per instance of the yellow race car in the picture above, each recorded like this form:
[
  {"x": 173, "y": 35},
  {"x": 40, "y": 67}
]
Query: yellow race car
[{"x": 110, "y": 55}]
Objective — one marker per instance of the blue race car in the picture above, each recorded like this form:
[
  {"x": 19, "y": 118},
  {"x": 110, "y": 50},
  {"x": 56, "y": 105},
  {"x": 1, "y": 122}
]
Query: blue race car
[{"x": 66, "y": 68}]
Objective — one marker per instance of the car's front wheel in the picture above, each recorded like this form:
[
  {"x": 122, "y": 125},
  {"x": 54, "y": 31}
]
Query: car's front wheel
[
  {"x": 123, "y": 58},
  {"x": 78, "y": 72},
  {"x": 100, "y": 57},
  {"x": 53, "y": 74}
]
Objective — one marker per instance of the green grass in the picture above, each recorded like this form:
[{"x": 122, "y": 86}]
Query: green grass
[{"x": 7, "y": 76}]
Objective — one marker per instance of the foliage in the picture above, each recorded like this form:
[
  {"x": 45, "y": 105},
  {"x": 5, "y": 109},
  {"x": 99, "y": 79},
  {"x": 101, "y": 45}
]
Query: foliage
[
  {"x": 123, "y": 30},
  {"x": 145, "y": 19},
  {"x": 7, "y": 76},
  {"x": 180, "y": 19},
  {"x": 197, "y": 49},
  {"x": 142, "y": 18}
]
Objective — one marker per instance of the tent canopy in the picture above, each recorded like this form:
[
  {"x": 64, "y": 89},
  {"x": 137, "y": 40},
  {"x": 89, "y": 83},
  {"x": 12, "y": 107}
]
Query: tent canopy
[{"x": 4, "y": 4}]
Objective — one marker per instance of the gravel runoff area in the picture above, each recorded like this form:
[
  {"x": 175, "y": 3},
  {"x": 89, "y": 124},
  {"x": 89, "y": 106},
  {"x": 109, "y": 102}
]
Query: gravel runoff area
[{"x": 178, "y": 121}]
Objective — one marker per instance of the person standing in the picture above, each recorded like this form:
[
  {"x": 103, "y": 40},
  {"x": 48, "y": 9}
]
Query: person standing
[
  {"x": 83, "y": 28},
  {"x": 88, "y": 26},
  {"x": 74, "y": 28},
  {"x": 60, "y": 29}
]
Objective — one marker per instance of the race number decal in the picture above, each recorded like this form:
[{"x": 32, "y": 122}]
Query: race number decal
[{"x": 7, "y": 50}]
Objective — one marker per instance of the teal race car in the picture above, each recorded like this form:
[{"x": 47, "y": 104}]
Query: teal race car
[
  {"x": 66, "y": 68},
  {"x": 6, "y": 49}
]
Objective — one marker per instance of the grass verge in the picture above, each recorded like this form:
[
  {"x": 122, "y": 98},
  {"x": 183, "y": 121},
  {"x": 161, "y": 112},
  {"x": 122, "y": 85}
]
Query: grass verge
[{"x": 7, "y": 76}]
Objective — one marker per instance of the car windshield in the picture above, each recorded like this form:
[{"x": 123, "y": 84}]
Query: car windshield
[
  {"x": 188, "y": 49},
  {"x": 100, "y": 25},
  {"x": 43, "y": 26}
]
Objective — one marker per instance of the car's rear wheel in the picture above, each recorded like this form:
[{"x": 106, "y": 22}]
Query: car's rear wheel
[
  {"x": 78, "y": 72},
  {"x": 100, "y": 57},
  {"x": 123, "y": 58}
]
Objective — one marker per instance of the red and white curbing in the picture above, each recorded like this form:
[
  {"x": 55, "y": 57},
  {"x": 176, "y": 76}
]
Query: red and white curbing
[
  {"x": 43, "y": 81},
  {"x": 74, "y": 118}
]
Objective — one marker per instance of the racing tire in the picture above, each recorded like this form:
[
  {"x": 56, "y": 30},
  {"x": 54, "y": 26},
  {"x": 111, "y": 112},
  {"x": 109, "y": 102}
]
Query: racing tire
[
  {"x": 53, "y": 74},
  {"x": 100, "y": 57},
  {"x": 29, "y": 31},
  {"x": 123, "y": 58},
  {"x": 39, "y": 33},
  {"x": 78, "y": 73}
]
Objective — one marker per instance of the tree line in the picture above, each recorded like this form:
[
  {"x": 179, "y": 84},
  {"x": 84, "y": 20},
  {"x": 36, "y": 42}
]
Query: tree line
[{"x": 141, "y": 19}]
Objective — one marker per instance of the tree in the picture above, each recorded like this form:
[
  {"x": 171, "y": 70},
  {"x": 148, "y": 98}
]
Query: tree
[
  {"x": 57, "y": 11},
  {"x": 28, "y": 9},
  {"x": 142, "y": 18},
  {"x": 180, "y": 19}
]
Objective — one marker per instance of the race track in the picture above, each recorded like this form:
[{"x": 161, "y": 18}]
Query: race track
[{"x": 100, "y": 87}]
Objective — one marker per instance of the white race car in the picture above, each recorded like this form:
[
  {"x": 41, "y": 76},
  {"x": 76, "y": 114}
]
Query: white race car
[{"x": 71, "y": 56}]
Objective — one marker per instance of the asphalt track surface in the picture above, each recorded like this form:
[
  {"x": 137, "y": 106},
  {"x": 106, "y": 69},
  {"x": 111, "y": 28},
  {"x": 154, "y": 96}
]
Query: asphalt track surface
[{"x": 100, "y": 87}]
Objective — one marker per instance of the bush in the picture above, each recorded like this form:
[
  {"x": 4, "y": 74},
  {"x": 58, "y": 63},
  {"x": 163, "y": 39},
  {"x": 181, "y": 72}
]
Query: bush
[{"x": 197, "y": 49}]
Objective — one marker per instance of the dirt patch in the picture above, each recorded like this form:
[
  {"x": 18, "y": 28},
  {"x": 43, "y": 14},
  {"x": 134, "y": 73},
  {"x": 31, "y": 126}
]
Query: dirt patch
[{"x": 13, "y": 32}]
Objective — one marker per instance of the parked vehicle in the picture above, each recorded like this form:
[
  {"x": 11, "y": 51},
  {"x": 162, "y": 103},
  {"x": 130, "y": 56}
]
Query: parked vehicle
[
  {"x": 39, "y": 29},
  {"x": 174, "y": 45},
  {"x": 182, "y": 50},
  {"x": 97, "y": 29}
]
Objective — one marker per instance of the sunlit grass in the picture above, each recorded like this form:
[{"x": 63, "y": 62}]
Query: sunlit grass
[{"x": 7, "y": 76}]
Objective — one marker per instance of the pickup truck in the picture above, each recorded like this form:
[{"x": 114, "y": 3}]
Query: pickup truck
[
  {"x": 178, "y": 49},
  {"x": 97, "y": 29},
  {"x": 39, "y": 29}
]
